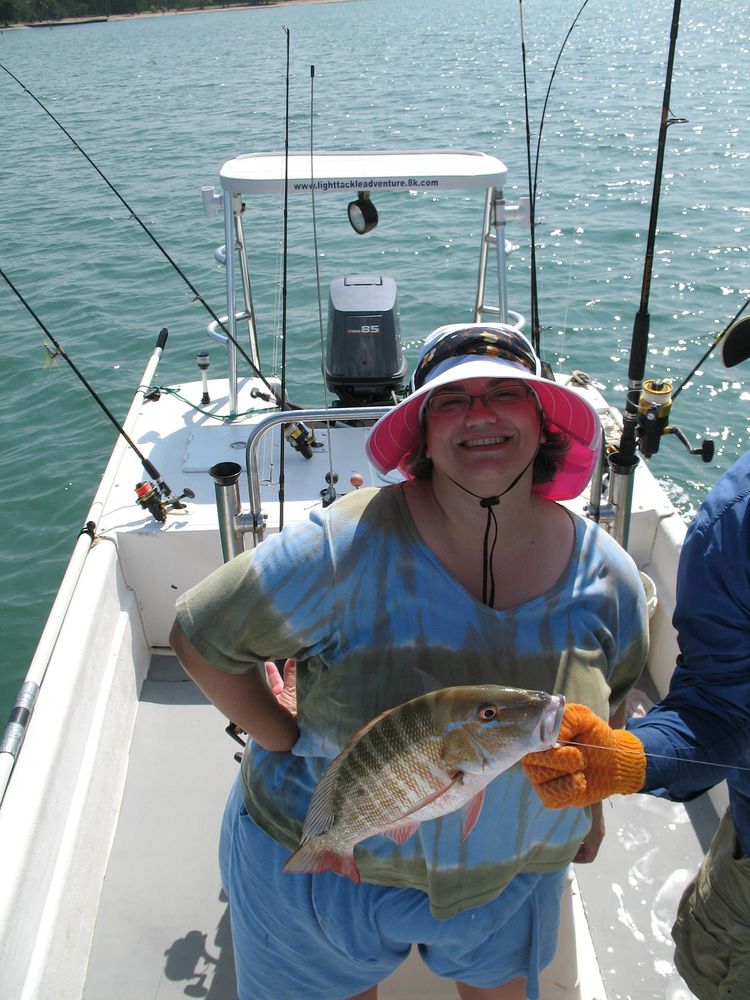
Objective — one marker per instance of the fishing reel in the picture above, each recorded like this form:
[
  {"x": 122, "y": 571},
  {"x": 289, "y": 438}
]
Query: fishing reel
[
  {"x": 147, "y": 497},
  {"x": 654, "y": 407},
  {"x": 302, "y": 438}
]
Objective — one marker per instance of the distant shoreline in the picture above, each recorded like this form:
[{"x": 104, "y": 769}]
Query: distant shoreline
[{"x": 73, "y": 21}]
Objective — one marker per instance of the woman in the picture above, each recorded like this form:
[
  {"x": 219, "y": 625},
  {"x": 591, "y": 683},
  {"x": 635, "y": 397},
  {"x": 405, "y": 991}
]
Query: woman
[{"x": 467, "y": 572}]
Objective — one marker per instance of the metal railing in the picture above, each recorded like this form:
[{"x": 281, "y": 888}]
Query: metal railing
[{"x": 233, "y": 522}]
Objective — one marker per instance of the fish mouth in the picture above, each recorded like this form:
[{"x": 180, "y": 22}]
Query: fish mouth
[{"x": 549, "y": 727}]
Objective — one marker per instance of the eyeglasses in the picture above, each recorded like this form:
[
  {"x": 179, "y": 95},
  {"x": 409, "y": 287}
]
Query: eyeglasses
[
  {"x": 444, "y": 404},
  {"x": 505, "y": 346}
]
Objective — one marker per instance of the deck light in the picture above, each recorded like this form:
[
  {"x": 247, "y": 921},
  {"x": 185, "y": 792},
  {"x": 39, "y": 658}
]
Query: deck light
[{"x": 362, "y": 213}]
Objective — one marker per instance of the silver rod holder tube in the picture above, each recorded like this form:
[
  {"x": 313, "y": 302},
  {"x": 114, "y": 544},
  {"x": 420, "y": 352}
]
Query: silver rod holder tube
[
  {"x": 231, "y": 320},
  {"x": 498, "y": 204},
  {"x": 621, "y": 496},
  {"x": 226, "y": 477},
  {"x": 479, "y": 305}
]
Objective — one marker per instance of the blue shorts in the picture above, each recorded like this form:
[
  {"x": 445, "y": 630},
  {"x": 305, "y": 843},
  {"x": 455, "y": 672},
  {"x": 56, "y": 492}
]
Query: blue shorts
[{"x": 321, "y": 937}]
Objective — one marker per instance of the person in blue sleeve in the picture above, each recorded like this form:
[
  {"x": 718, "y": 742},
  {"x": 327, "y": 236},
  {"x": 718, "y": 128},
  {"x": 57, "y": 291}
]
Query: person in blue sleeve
[{"x": 704, "y": 720}]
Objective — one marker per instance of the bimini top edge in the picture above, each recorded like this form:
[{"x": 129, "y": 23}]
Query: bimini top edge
[{"x": 368, "y": 170}]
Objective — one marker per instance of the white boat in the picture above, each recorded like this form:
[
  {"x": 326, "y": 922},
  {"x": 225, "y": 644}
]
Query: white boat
[{"x": 115, "y": 768}]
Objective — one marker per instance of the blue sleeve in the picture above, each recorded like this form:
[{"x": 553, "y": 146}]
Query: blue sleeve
[{"x": 705, "y": 717}]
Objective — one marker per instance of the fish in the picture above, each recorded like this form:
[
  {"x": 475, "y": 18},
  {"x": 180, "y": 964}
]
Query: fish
[{"x": 420, "y": 760}]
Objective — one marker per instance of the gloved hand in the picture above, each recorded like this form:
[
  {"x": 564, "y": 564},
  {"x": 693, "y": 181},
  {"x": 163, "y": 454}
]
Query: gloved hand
[{"x": 604, "y": 762}]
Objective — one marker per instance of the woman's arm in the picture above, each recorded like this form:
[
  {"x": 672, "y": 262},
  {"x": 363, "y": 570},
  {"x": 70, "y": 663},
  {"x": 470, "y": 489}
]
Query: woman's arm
[{"x": 245, "y": 699}]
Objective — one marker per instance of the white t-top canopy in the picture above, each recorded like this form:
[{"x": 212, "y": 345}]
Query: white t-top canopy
[{"x": 352, "y": 171}]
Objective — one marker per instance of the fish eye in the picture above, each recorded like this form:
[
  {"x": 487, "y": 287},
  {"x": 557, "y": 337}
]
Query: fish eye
[{"x": 487, "y": 712}]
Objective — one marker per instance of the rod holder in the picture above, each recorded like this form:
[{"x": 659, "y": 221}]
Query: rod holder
[
  {"x": 226, "y": 477},
  {"x": 621, "y": 494}
]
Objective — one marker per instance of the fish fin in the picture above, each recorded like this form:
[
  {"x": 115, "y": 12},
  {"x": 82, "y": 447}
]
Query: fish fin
[
  {"x": 429, "y": 682},
  {"x": 456, "y": 779},
  {"x": 471, "y": 813},
  {"x": 321, "y": 811},
  {"x": 400, "y": 834},
  {"x": 310, "y": 857}
]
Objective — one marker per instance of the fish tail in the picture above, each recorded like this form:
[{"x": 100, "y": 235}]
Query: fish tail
[{"x": 311, "y": 857}]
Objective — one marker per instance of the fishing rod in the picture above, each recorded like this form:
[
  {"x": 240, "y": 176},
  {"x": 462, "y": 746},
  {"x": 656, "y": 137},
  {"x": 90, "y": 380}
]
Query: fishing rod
[
  {"x": 147, "y": 493},
  {"x": 535, "y": 325},
  {"x": 134, "y": 215},
  {"x": 713, "y": 346},
  {"x": 535, "y": 331},
  {"x": 624, "y": 461}
]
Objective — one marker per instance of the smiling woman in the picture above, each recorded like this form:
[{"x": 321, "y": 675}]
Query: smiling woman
[
  {"x": 496, "y": 352},
  {"x": 552, "y": 446},
  {"x": 516, "y": 434},
  {"x": 372, "y": 594}
]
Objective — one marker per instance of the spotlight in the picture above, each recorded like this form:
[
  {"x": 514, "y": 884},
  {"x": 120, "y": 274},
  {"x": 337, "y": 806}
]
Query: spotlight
[{"x": 362, "y": 213}]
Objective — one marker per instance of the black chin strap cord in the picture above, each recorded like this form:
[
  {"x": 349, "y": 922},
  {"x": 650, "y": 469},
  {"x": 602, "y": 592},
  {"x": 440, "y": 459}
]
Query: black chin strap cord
[
  {"x": 488, "y": 550},
  {"x": 488, "y": 553}
]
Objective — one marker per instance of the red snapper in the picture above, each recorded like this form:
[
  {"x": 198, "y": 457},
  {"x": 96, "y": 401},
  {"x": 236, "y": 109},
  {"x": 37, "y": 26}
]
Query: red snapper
[{"x": 423, "y": 759}]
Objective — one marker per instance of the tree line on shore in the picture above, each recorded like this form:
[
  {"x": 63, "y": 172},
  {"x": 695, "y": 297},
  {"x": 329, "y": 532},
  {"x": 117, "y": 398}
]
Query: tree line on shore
[{"x": 45, "y": 11}]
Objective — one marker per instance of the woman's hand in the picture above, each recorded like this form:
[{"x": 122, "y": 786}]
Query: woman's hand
[
  {"x": 284, "y": 689},
  {"x": 245, "y": 699},
  {"x": 591, "y": 843}
]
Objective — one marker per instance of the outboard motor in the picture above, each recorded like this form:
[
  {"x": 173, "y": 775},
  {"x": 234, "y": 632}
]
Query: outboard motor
[{"x": 364, "y": 360}]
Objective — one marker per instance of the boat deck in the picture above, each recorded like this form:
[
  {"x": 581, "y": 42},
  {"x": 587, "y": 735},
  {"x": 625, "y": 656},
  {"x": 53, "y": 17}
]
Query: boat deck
[{"x": 163, "y": 927}]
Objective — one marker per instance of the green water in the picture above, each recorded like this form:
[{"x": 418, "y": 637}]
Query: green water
[{"x": 159, "y": 103}]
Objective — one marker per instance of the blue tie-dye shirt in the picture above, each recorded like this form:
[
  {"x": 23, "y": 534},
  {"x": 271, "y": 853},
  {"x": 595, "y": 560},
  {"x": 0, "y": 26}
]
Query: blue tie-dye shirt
[{"x": 368, "y": 612}]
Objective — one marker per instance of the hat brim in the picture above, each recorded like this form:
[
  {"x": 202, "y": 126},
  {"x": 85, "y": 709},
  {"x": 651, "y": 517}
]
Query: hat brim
[{"x": 396, "y": 435}]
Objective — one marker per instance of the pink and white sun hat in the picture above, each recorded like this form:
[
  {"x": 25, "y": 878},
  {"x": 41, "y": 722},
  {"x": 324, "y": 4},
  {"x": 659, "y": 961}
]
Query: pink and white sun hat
[{"x": 490, "y": 350}]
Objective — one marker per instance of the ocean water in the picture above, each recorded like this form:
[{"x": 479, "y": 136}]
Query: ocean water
[{"x": 159, "y": 103}]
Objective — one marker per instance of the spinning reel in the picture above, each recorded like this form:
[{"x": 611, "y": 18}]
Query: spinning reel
[{"x": 654, "y": 407}]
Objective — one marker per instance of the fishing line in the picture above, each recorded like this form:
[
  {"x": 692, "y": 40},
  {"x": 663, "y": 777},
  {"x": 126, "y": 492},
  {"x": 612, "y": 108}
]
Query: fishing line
[
  {"x": 546, "y": 98},
  {"x": 331, "y": 491},
  {"x": 687, "y": 378},
  {"x": 535, "y": 327},
  {"x": 146, "y": 230},
  {"x": 532, "y": 188},
  {"x": 315, "y": 228},
  {"x": 285, "y": 260},
  {"x": 661, "y": 756},
  {"x": 147, "y": 465}
]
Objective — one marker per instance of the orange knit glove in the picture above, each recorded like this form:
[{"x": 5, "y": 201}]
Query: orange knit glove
[{"x": 605, "y": 762}]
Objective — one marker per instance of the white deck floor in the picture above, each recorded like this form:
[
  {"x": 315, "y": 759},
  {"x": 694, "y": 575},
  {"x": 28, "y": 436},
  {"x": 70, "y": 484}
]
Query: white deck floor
[{"x": 155, "y": 943}]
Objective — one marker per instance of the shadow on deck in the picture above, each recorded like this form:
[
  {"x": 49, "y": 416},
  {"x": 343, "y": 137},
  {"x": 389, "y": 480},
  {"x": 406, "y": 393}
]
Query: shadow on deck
[{"x": 163, "y": 928}]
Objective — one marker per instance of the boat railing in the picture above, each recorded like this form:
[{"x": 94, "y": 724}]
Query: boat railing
[
  {"x": 20, "y": 718},
  {"x": 233, "y": 522}
]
